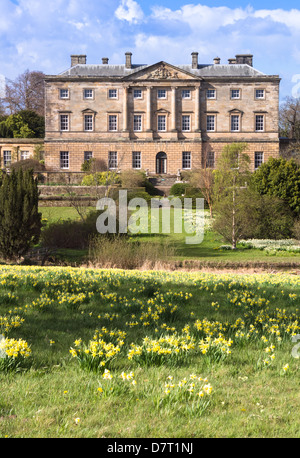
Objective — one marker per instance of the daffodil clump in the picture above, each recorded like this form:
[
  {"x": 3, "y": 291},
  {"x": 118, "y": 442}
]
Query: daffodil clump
[
  {"x": 168, "y": 349},
  {"x": 215, "y": 349},
  {"x": 9, "y": 322},
  {"x": 96, "y": 355},
  {"x": 114, "y": 385},
  {"x": 13, "y": 353},
  {"x": 189, "y": 394}
]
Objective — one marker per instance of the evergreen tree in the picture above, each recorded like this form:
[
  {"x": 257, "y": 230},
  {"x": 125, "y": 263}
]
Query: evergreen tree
[{"x": 20, "y": 221}]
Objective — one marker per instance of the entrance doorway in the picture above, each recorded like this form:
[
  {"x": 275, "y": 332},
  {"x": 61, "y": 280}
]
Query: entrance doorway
[{"x": 161, "y": 163}]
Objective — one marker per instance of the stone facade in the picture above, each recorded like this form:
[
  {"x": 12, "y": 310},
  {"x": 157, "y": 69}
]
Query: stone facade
[
  {"x": 16, "y": 149},
  {"x": 160, "y": 118}
]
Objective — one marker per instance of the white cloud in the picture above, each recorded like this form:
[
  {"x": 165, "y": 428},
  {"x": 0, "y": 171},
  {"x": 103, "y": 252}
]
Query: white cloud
[
  {"x": 38, "y": 35},
  {"x": 2, "y": 86},
  {"x": 129, "y": 11}
]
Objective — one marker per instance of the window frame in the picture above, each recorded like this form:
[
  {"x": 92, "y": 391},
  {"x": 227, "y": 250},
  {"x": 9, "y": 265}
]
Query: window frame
[
  {"x": 137, "y": 97},
  {"x": 212, "y": 97},
  {"x": 85, "y": 123},
  {"x": 186, "y": 94},
  {"x": 87, "y": 155},
  {"x": 256, "y": 159},
  {"x": 160, "y": 92},
  {"x": 213, "y": 117},
  {"x": 110, "y": 92},
  {"x": 234, "y": 97},
  {"x": 238, "y": 119},
  {"x": 61, "y": 122},
  {"x": 109, "y": 123},
  {"x": 186, "y": 160},
  {"x": 160, "y": 117},
  {"x": 256, "y": 122},
  {"x": 85, "y": 90},
  {"x": 113, "y": 160},
  {"x": 64, "y": 159},
  {"x": 185, "y": 117},
  {"x": 6, "y": 162},
  {"x": 256, "y": 90},
  {"x": 27, "y": 155},
  {"x": 140, "y": 122},
  {"x": 136, "y": 159},
  {"x": 66, "y": 97},
  {"x": 210, "y": 160}
]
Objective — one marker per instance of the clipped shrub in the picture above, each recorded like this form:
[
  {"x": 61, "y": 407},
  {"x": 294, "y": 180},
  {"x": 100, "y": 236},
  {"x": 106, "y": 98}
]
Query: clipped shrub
[
  {"x": 178, "y": 189},
  {"x": 29, "y": 164},
  {"x": 132, "y": 179},
  {"x": 101, "y": 179}
]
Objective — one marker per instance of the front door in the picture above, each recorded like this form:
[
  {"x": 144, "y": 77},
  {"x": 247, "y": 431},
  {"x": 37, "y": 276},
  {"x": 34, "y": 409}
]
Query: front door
[{"x": 161, "y": 163}]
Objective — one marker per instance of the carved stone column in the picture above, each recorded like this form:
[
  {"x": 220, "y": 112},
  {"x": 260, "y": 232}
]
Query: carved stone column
[
  {"x": 173, "y": 109},
  {"x": 125, "y": 109},
  {"x": 149, "y": 113},
  {"x": 197, "y": 109}
]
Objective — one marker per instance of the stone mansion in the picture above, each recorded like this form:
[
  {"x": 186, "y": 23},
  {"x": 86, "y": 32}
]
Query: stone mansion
[{"x": 159, "y": 118}]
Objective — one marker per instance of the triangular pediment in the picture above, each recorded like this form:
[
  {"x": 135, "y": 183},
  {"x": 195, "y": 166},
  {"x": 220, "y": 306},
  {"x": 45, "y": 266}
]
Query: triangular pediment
[{"x": 161, "y": 71}]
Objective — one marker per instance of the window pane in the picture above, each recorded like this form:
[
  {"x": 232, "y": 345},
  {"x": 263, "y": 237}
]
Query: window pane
[
  {"x": 137, "y": 93},
  {"x": 186, "y": 123},
  {"x": 88, "y": 155},
  {"x": 88, "y": 122},
  {"x": 112, "y": 93},
  {"x": 64, "y": 122},
  {"x": 64, "y": 159},
  {"x": 161, "y": 93},
  {"x": 112, "y": 159},
  {"x": 211, "y": 94},
  {"x": 186, "y": 94},
  {"x": 210, "y": 159},
  {"x": 259, "y": 93},
  {"x": 136, "y": 159},
  {"x": 6, "y": 158},
  {"x": 235, "y": 122},
  {"x": 235, "y": 93},
  {"x": 210, "y": 123},
  {"x": 161, "y": 123},
  {"x": 137, "y": 122},
  {"x": 64, "y": 93},
  {"x": 186, "y": 160},
  {"x": 259, "y": 122},
  {"x": 24, "y": 155},
  {"x": 88, "y": 93},
  {"x": 112, "y": 122},
  {"x": 259, "y": 159}
]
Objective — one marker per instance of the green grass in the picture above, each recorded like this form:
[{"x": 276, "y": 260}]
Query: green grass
[
  {"x": 50, "y": 391},
  {"x": 208, "y": 251}
]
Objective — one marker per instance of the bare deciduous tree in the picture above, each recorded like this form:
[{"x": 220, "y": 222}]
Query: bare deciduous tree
[
  {"x": 289, "y": 118},
  {"x": 26, "y": 92}
]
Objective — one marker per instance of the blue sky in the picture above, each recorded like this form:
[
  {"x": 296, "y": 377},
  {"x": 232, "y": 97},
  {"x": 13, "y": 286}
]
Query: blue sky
[{"x": 42, "y": 34}]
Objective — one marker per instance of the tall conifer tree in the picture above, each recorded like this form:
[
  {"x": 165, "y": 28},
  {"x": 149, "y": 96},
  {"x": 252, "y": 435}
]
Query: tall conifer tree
[{"x": 20, "y": 221}]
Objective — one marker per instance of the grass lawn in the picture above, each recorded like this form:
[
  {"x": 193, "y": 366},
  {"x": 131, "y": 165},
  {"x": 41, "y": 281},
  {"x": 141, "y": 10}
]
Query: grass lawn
[
  {"x": 208, "y": 251},
  {"x": 189, "y": 355}
]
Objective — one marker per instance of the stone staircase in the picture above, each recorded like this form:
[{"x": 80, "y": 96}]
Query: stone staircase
[{"x": 163, "y": 183}]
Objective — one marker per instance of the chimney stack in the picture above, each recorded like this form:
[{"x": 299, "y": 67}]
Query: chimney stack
[
  {"x": 128, "y": 63},
  {"x": 217, "y": 60},
  {"x": 194, "y": 60},
  {"x": 78, "y": 59},
  {"x": 105, "y": 60},
  {"x": 232, "y": 61},
  {"x": 244, "y": 59}
]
